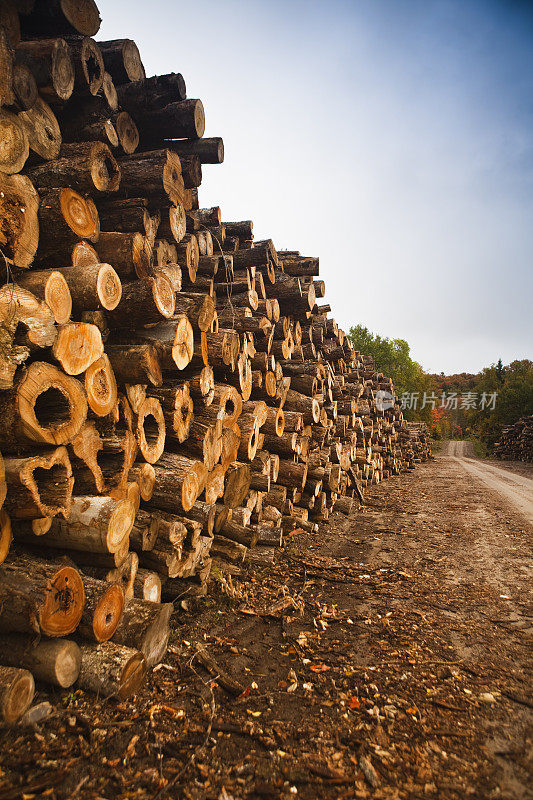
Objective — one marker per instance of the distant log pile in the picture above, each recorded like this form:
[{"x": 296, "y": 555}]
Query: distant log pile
[
  {"x": 172, "y": 390},
  {"x": 516, "y": 441}
]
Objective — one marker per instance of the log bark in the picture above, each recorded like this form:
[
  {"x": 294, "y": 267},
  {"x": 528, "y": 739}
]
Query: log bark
[
  {"x": 56, "y": 661},
  {"x": 154, "y": 174},
  {"x": 129, "y": 252},
  {"x": 111, "y": 670},
  {"x": 144, "y": 96},
  {"x": 145, "y": 625},
  {"x": 209, "y": 151},
  {"x": 122, "y": 60},
  {"x": 95, "y": 525},
  {"x": 62, "y": 17},
  {"x": 135, "y": 363},
  {"x": 87, "y": 167},
  {"x": 144, "y": 302},
  {"x": 147, "y": 586},
  {"x": 5, "y": 535},
  {"x": 19, "y": 232},
  {"x": 182, "y": 120}
]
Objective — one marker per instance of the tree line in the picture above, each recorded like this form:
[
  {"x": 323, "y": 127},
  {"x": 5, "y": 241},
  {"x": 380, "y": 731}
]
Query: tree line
[{"x": 461, "y": 405}]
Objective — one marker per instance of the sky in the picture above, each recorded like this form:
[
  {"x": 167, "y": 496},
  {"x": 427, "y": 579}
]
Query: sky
[{"x": 391, "y": 138}]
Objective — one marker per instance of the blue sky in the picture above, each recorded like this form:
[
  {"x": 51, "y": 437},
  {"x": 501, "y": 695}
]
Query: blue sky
[{"x": 392, "y": 138}]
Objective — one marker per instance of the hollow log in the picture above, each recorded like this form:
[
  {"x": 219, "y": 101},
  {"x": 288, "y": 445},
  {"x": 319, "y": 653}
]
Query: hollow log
[
  {"x": 20, "y": 308},
  {"x": 46, "y": 406},
  {"x": 151, "y": 430},
  {"x": 39, "y": 485}
]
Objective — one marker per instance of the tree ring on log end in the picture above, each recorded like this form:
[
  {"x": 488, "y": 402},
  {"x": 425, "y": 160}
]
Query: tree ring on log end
[
  {"x": 62, "y": 69},
  {"x": 83, "y": 15},
  {"x": 108, "y": 287},
  {"x": 183, "y": 345},
  {"x": 199, "y": 118},
  {"x": 101, "y": 386},
  {"x": 78, "y": 214},
  {"x": 57, "y": 296},
  {"x": 63, "y": 606},
  {"x": 120, "y": 525},
  {"x": 78, "y": 345},
  {"x": 19, "y": 696},
  {"x": 164, "y": 295},
  {"x": 108, "y": 612},
  {"x": 14, "y": 147},
  {"x": 132, "y": 676}
]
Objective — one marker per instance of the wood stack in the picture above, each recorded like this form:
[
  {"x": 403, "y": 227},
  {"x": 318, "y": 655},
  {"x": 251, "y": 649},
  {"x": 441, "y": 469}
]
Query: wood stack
[
  {"x": 171, "y": 390},
  {"x": 516, "y": 441}
]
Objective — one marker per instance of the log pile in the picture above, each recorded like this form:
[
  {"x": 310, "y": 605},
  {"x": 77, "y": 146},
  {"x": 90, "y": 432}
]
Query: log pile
[
  {"x": 516, "y": 441},
  {"x": 173, "y": 392}
]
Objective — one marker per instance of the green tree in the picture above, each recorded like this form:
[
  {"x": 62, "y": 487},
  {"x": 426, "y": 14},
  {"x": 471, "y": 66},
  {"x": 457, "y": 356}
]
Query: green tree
[{"x": 393, "y": 358}]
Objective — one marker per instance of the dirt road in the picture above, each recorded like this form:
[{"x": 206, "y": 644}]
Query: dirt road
[
  {"x": 517, "y": 490},
  {"x": 388, "y": 657}
]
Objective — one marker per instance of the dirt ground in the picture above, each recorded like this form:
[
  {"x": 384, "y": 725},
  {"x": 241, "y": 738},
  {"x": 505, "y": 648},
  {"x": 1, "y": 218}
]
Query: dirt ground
[{"x": 388, "y": 656}]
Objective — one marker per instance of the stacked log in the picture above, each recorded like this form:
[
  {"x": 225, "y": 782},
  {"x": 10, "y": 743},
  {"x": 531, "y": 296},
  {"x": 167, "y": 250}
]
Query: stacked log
[
  {"x": 171, "y": 391},
  {"x": 516, "y": 441}
]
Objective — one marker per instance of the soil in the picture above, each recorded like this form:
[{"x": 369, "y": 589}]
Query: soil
[{"x": 388, "y": 656}]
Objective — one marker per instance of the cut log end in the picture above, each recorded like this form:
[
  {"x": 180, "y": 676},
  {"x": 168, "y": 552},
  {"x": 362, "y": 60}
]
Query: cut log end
[
  {"x": 101, "y": 386},
  {"x": 17, "y": 688},
  {"x": 108, "y": 612},
  {"x": 63, "y": 607}
]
